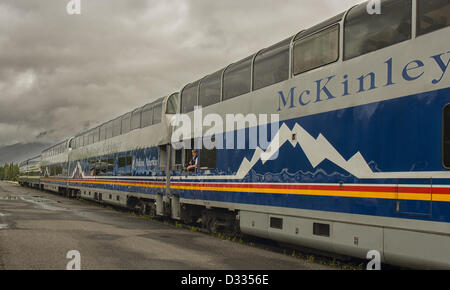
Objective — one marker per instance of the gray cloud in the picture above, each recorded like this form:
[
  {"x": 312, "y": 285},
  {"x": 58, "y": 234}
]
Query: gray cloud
[{"x": 60, "y": 74}]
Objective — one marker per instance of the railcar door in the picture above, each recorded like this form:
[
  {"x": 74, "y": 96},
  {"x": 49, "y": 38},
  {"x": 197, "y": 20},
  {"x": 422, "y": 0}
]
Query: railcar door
[
  {"x": 163, "y": 198},
  {"x": 415, "y": 198}
]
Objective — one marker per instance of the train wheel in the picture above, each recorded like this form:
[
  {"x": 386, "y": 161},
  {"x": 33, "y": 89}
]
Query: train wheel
[
  {"x": 210, "y": 224},
  {"x": 151, "y": 210}
]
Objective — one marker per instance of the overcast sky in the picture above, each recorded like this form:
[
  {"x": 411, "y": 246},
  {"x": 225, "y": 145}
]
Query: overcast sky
[{"x": 61, "y": 74}]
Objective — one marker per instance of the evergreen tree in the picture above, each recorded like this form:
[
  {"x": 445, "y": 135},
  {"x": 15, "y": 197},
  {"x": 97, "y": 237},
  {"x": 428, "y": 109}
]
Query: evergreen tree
[{"x": 6, "y": 172}]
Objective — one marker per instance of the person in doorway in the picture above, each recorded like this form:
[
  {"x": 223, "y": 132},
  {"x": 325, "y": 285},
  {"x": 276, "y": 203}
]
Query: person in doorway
[{"x": 193, "y": 164}]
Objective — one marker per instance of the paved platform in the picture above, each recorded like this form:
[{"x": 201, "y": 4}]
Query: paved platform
[{"x": 38, "y": 229}]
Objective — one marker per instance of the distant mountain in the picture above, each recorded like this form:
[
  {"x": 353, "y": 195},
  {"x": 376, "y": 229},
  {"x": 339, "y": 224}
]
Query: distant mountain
[{"x": 20, "y": 152}]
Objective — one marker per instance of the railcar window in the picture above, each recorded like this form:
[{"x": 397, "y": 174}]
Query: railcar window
[
  {"x": 157, "y": 114},
  {"x": 210, "y": 89},
  {"x": 208, "y": 157},
  {"x": 136, "y": 119},
  {"x": 91, "y": 137},
  {"x": 432, "y": 15},
  {"x": 126, "y": 123},
  {"x": 178, "y": 160},
  {"x": 147, "y": 116},
  {"x": 104, "y": 167},
  {"x": 116, "y": 127},
  {"x": 103, "y": 132},
  {"x": 172, "y": 104},
  {"x": 92, "y": 168},
  {"x": 98, "y": 167},
  {"x": 122, "y": 162},
  {"x": 365, "y": 33},
  {"x": 110, "y": 167},
  {"x": 96, "y": 134},
  {"x": 446, "y": 137},
  {"x": 189, "y": 144},
  {"x": 129, "y": 160},
  {"x": 109, "y": 130},
  {"x": 125, "y": 161},
  {"x": 86, "y": 139},
  {"x": 189, "y": 98},
  {"x": 271, "y": 65},
  {"x": 316, "y": 50},
  {"x": 237, "y": 79}
]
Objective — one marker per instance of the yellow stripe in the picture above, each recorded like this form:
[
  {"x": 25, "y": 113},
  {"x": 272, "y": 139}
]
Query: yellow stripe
[
  {"x": 330, "y": 193},
  {"x": 441, "y": 197}
]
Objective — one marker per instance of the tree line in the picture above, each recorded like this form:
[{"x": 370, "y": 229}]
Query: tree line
[{"x": 9, "y": 172}]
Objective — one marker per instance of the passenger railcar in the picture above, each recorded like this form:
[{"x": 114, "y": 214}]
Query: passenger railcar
[
  {"x": 362, "y": 146},
  {"x": 29, "y": 172},
  {"x": 107, "y": 163},
  {"x": 54, "y": 167}
]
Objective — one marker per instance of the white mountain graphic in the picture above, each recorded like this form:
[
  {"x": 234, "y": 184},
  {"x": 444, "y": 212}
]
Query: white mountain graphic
[
  {"x": 78, "y": 172},
  {"x": 316, "y": 150}
]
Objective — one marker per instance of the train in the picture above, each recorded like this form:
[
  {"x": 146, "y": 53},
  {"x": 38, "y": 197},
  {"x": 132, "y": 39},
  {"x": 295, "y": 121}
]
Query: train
[
  {"x": 30, "y": 172},
  {"x": 359, "y": 158}
]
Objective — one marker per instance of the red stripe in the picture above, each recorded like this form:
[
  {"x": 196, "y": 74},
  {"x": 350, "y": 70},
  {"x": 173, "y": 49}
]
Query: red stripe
[
  {"x": 120, "y": 181},
  {"x": 295, "y": 187},
  {"x": 441, "y": 190},
  {"x": 345, "y": 188}
]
